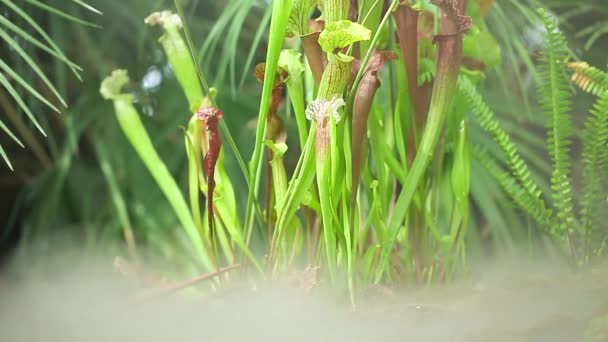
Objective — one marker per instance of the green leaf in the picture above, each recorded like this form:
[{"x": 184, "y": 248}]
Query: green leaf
[
  {"x": 10, "y": 133},
  {"x": 61, "y": 13},
  {"x": 111, "y": 86},
  {"x": 298, "y": 19},
  {"x": 13, "y": 92},
  {"x": 87, "y": 6},
  {"x": 278, "y": 26},
  {"x": 341, "y": 34},
  {"x": 6, "y": 160},
  {"x": 481, "y": 46},
  {"x": 75, "y": 68},
  {"x": 130, "y": 122},
  {"x": 26, "y": 85},
  {"x": 13, "y": 44},
  {"x": 291, "y": 61},
  {"x": 42, "y": 33}
]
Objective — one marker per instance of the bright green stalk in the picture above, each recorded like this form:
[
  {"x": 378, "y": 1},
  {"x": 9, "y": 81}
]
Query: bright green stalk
[
  {"x": 185, "y": 69},
  {"x": 323, "y": 165},
  {"x": 179, "y": 56},
  {"x": 209, "y": 91},
  {"x": 278, "y": 171},
  {"x": 303, "y": 177},
  {"x": 449, "y": 55},
  {"x": 117, "y": 198},
  {"x": 290, "y": 61},
  {"x": 461, "y": 185},
  {"x": 368, "y": 55},
  {"x": 335, "y": 10},
  {"x": 370, "y": 12},
  {"x": 278, "y": 25},
  {"x": 193, "y": 133},
  {"x": 131, "y": 125},
  {"x": 324, "y": 110}
]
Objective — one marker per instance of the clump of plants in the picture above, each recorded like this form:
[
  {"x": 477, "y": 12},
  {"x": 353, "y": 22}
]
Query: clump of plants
[{"x": 379, "y": 93}]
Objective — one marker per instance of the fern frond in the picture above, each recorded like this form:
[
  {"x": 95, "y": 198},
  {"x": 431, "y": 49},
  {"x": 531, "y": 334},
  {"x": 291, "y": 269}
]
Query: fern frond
[
  {"x": 490, "y": 124},
  {"x": 555, "y": 101},
  {"x": 590, "y": 79},
  {"x": 514, "y": 189},
  {"x": 595, "y": 159}
]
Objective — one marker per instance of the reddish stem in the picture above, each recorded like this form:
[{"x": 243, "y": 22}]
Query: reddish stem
[
  {"x": 406, "y": 20},
  {"x": 211, "y": 116},
  {"x": 314, "y": 55}
]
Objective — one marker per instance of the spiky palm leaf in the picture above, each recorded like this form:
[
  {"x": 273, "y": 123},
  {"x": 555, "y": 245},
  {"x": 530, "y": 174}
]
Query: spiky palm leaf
[{"x": 22, "y": 25}]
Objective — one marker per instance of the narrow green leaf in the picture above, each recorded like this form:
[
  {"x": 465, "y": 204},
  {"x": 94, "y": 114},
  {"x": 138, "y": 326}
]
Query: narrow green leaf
[
  {"x": 6, "y": 160},
  {"x": 87, "y": 6},
  {"x": 26, "y": 85},
  {"x": 40, "y": 31},
  {"x": 61, "y": 13},
  {"x": 10, "y": 133},
  {"x": 39, "y": 44},
  {"x": 11, "y": 90},
  {"x": 14, "y": 45},
  {"x": 278, "y": 26}
]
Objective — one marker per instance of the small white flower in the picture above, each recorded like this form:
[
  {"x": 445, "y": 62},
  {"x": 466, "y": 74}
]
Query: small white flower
[{"x": 320, "y": 108}]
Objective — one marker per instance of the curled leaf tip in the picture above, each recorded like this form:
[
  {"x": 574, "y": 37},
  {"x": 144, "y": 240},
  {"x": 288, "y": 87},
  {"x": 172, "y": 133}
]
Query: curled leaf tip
[
  {"x": 450, "y": 9},
  {"x": 376, "y": 62},
  {"x": 210, "y": 116},
  {"x": 280, "y": 77},
  {"x": 341, "y": 34},
  {"x": 112, "y": 85},
  {"x": 297, "y": 24},
  {"x": 290, "y": 60},
  {"x": 165, "y": 18},
  {"x": 320, "y": 108}
]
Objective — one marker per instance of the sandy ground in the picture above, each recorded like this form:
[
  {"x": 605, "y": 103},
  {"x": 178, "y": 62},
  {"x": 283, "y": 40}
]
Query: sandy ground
[{"x": 508, "y": 300}]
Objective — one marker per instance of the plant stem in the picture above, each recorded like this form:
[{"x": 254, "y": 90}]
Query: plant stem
[
  {"x": 448, "y": 63},
  {"x": 314, "y": 55},
  {"x": 278, "y": 25}
]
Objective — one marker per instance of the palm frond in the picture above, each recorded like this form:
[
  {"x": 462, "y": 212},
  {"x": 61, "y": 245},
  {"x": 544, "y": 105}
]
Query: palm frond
[
  {"x": 46, "y": 44},
  {"x": 60, "y": 13}
]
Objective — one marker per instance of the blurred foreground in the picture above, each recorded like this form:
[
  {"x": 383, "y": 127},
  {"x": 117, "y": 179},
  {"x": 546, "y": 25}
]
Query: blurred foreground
[{"x": 513, "y": 299}]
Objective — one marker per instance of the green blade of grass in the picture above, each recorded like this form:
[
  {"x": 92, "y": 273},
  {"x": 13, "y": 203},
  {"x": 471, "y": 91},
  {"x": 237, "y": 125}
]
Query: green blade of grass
[
  {"x": 15, "y": 95},
  {"x": 23, "y": 34},
  {"x": 6, "y": 160},
  {"x": 61, "y": 13},
  {"x": 254, "y": 45},
  {"x": 13, "y": 44},
  {"x": 88, "y": 7},
  {"x": 26, "y": 85},
  {"x": 278, "y": 25},
  {"x": 10, "y": 133},
  {"x": 40, "y": 31}
]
